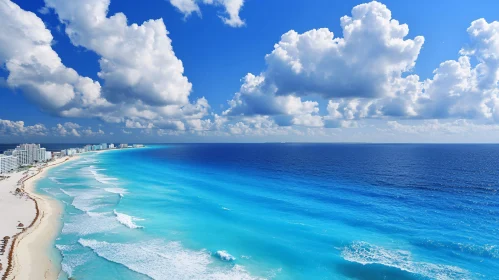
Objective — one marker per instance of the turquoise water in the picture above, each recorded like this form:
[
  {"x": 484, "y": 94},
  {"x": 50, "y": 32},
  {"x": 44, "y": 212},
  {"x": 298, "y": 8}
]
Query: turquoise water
[{"x": 280, "y": 211}]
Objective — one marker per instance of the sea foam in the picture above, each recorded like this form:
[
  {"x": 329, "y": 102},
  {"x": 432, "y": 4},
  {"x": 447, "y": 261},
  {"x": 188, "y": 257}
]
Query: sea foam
[
  {"x": 126, "y": 220},
  {"x": 165, "y": 260},
  {"x": 90, "y": 223},
  {"x": 70, "y": 260},
  {"x": 101, "y": 178},
  {"x": 365, "y": 253}
]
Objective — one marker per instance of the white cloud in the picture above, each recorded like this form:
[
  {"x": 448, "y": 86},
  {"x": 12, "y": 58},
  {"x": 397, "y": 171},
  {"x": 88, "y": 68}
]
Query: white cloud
[
  {"x": 187, "y": 7},
  {"x": 17, "y": 128},
  {"x": 34, "y": 67},
  {"x": 66, "y": 129},
  {"x": 366, "y": 74},
  {"x": 144, "y": 80},
  {"x": 232, "y": 9},
  {"x": 372, "y": 53},
  {"x": 89, "y": 132},
  {"x": 74, "y": 130},
  {"x": 368, "y": 62},
  {"x": 137, "y": 61},
  {"x": 256, "y": 98}
]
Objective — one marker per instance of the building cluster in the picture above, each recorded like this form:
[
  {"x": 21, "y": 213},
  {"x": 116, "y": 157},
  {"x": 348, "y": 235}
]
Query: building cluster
[
  {"x": 29, "y": 154},
  {"x": 23, "y": 155}
]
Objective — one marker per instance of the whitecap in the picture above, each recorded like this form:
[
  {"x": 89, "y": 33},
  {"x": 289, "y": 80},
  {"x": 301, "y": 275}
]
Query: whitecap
[
  {"x": 366, "y": 253},
  {"x": 120, "y": 191},
  {"x": 160, "y": 260},
  {"x": 224, "y": 256},
  {"x": 101, "y": 178},
  {"x": 225, "y": 208},
  {"x": 126, "y": 220}
]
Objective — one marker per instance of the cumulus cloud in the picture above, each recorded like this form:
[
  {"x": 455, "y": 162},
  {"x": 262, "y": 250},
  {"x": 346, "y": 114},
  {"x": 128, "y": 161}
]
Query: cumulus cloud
[
  {"x": 35, "y": 68},
  {"x": 368, "y": 62},
  {"x": 372, "y": 53},
  {"x": 458, "y": 89},
  {"x": 143, "y": 79},
  {"x": 18, "y": 128},
  {"x": 232, "y": 9},
  {"x": 75, "y": 130},
  {"x": 137, "y": 61},
  {"x": 366, "y": 74},
  {"x": 256, "y": 97},
  {"x": 89, "y": 132}
]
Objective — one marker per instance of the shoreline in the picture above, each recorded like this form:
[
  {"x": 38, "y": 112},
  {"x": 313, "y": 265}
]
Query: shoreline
[{"x": 27, "y": 256}]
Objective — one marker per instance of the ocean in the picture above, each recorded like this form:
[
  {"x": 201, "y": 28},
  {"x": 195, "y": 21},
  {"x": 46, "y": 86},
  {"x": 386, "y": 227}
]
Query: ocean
[{"x": 280, "y": 211}]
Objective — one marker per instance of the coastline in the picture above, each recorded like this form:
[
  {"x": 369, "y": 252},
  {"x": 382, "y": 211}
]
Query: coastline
[{"x": 27, "y": 257}]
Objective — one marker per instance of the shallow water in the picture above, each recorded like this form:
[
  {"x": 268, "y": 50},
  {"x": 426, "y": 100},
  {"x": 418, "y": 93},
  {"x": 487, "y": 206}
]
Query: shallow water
[{"x": 280, "y": 211}]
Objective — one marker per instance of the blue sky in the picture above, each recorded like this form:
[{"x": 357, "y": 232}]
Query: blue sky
[{"x": 277, "y": 102}]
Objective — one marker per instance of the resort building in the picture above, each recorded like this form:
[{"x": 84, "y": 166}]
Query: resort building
[
  {"x": 138, "y": 145},
  {"x": 103, "y": 146},
  {"x": 111, "y": 146},
  {"x": 122, "y": 146},
  {"x": 33, "y": 152},
  {"x": 48, "y": 156},
  {"x": 42, "y": 155},
  {"x": 22, "y": 156},
  {"x": 7, "y": 163}
]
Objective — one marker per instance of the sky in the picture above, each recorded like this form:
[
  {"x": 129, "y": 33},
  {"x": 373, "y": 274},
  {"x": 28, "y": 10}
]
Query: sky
[{"x": 249, "y": 71}]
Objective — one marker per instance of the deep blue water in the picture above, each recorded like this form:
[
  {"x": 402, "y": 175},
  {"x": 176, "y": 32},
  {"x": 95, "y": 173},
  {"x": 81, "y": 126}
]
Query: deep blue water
[{"x": 280, "y": 211}]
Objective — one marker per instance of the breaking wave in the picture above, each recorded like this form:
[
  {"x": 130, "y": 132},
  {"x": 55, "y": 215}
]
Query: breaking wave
[
  {"x": 101, "y": 178},
  {"x": 120, "y": 191},
  {"x": 126, "y": 220},
  {"x": 365, "y": 253},
  {"x": 160, "y": 260},
  {"x": 224, "y": 256}
]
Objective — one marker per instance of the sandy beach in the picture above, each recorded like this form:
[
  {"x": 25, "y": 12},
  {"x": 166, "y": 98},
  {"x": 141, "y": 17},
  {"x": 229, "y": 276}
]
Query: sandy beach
[{"x": 26, "y": 255}]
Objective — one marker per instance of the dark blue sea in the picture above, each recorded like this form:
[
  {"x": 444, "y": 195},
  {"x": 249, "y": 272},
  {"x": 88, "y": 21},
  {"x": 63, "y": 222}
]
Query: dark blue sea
[{"x": 280, "y": 211}]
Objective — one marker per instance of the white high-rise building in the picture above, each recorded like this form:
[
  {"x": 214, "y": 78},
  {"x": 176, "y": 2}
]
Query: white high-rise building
[
  {"x": 111, "y": 146},
  {"x": 42, "y": 152},
  {"x": 22, "y": 156},
  {"x": 103, "y": 146},
  {"x": 7, "y": 163},
  {"x": 33, "y": 152},
  {"x": 48, "y": 156}
]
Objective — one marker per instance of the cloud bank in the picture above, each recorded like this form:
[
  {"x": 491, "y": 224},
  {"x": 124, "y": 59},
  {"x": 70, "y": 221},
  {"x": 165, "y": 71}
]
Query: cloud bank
[
  {"x": 367, "y": 74},
  {"x": 143, "y": 78},
  {"x": 364, "y": 74}
]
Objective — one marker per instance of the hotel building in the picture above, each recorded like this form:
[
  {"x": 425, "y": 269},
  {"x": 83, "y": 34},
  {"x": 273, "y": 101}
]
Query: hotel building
[{"x": 7, "y": 163}]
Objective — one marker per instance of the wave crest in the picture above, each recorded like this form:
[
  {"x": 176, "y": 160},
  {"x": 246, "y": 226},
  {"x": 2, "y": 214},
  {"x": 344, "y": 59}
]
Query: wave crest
[
  {"x": 160, "y": 260},
  {"x": 225, "y": 256},
  {"x": 126, "y": 220},
  {"x": 366, "y": 253}
]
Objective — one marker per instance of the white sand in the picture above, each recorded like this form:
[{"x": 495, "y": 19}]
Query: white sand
[{"x": 31, "y": 248}]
